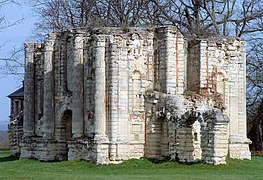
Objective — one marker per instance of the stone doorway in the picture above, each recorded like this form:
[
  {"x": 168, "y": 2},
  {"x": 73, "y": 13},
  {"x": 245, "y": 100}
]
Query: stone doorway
[{"x": 66, "y": 122}]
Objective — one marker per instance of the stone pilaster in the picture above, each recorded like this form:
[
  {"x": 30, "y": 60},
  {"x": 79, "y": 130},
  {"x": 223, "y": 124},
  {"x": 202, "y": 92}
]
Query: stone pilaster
[
  {"x": 78, "y": 94},
  {"x": 181, "y": 64},
  {"x": 123, "y": 105},
  {"x": 29, "y": 91},
  {"x": 29, "y": 103},
  {"x": 238, "y": 141},
  {"x": 101, "y": 139},
  {"x": 171, "y": 60},
  {"x": 175, "y": 61},
  {"x": 28, "y": 123},
  {"x": 113, "y": 99},
  {"x": 100, "y": 87},
  {"x": 48, "y": 114}
]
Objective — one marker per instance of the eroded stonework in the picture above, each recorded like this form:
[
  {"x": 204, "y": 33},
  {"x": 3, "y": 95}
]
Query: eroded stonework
[{"x": 111, "y": 94}]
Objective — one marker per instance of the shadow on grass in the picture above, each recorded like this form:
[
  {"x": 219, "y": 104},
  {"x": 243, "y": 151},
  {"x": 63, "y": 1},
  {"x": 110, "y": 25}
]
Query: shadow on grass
[
  {"x": 157, "y": 161},
  {"x": 8, "y": 158}
]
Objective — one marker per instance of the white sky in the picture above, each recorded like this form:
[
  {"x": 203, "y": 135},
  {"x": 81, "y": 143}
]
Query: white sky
[{"x": 13, "y": 36}]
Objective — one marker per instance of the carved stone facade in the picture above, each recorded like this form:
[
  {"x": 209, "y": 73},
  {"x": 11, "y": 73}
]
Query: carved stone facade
[{"x": 111, "y": 94}]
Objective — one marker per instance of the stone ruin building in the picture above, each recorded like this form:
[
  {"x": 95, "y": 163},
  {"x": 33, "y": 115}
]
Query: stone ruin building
[{"x": 111, "y": 94}]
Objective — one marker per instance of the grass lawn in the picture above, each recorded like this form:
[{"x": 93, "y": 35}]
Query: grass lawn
[{"x": 11, "y": 168}]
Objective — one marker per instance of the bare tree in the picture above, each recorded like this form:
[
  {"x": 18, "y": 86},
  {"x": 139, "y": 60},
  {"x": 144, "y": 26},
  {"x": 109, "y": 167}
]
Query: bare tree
[
  {"x": 55, "y": 15},
  {"x": 121, "y": 13},
  {"x": 255, "y": 93},
  {"x": 12, "y": 63},
  {"x": 256, "y": 125},
  {"x": 3, "y": 23},
  {"x": 202, "y": 17},
  {"x": 62, "y": 14}
]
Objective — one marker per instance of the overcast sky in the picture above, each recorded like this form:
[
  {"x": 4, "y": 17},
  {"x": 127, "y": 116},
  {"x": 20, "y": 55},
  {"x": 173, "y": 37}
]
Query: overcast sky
[{"x": 13, "y": 36}]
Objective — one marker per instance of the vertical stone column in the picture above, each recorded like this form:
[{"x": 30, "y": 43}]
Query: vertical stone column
[
  {"x": 242, "y": 124},
  {"x": 214, "y": 139},
  {"x": 28, "y": 124},
  {"x": 238, "y": 141},
  {"x": 204, "y": 64},
  {"x": 48, "y": 115},
  {"x": 101, "y": 139},
  {"x": 220, "y": 143},
  {"x": 78, "y": 94},
  {"x": 185, "y": 139},
  {"x": 122, "y": 149},
  {"x": 175, "y": 61},
  {"x": 171, "y": 60},
  {"x": 181, "y": 63},
  {"x": 233, "y": 92},
  {"x": 113, "y": 98},
  {"x": 100, "y": 88}
]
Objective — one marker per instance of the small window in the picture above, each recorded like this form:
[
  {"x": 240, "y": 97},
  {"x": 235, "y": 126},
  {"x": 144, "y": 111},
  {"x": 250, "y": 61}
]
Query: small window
[
  {"x": 195, "y": 136},
  {"x": 16, "y": 108}
]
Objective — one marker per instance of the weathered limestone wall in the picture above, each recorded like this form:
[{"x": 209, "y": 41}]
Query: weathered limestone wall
[
  {"x": 153, "y": 144},
  {"x": 214, "y": 137},
  {"x": 49, "y": 106},
  {"x": 222, "y": 73},
  {"x": 170, "y": 61},
  {"x": 197, "y": 133},
  {"x": 99, "y": 96},
  {"x": 186, "y": 144},
  {"x": 193, "y": 66},
  {"x": 78, "y": 90},
  {"x": 60, "y": 75},
  {"x": 141, "y": 61},
  {"x": 15, "y": 136},
  {"x": 29, "y": 92},
  {"x": 111, "y": 94},
  {"x": 89, "y": 87}
]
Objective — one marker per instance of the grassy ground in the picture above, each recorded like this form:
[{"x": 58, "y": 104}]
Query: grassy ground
[{"x": 11, "y": 168}]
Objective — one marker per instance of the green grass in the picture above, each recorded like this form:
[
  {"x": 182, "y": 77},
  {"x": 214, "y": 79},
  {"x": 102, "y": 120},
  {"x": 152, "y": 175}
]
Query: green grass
[{"x": 11, "y": 168}]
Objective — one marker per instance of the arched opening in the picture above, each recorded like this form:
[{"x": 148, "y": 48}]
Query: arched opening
[
  {"x": 66, "y": 134},
  {"x": 67, "y": 119}
]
